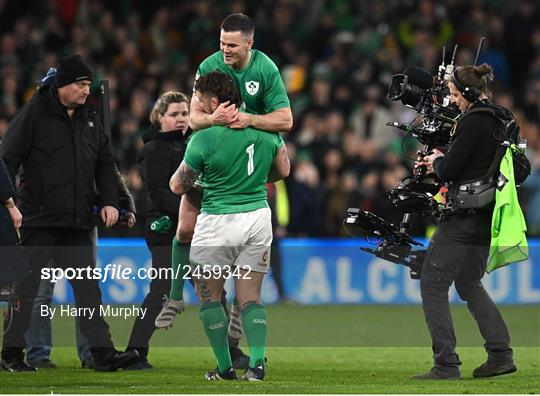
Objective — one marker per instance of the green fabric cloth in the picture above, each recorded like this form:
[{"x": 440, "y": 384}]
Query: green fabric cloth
[
  {"x": 508, "y": 239},
  {"x": 180, "y": 264}
]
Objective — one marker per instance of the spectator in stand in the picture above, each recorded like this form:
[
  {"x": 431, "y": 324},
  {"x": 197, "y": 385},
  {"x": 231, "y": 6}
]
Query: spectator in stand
[{"x": 334, "y": 52}]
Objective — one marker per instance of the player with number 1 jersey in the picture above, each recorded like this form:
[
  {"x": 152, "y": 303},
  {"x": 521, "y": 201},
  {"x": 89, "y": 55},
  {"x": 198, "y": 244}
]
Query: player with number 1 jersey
[
  {"x": 234, "y": 229},
  {"x": 234, "y": 164}
]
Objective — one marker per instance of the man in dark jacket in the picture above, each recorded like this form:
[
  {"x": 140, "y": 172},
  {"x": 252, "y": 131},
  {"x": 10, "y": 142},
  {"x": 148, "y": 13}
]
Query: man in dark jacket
[{"x": 65, "y": 154}]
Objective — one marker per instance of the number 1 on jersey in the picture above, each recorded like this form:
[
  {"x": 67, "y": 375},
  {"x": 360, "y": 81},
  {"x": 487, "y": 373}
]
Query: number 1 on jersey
[{"x": 250, "y": 152}]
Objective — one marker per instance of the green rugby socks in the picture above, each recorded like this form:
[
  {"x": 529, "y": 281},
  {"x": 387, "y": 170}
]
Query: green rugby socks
[
  {"x": 255, "y": 322},
  {"x": 214, "y": 321},
  {"x": 180, "y": 262}
]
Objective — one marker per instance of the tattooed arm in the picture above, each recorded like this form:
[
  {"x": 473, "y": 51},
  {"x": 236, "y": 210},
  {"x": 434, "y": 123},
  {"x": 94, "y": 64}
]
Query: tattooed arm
[{"x": 183, "y": 179}]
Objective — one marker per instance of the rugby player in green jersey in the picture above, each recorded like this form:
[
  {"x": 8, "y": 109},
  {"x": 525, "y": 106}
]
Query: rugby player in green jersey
[
  {"x": 265, "y": 103},
  {"x": 233, "y": 234},
  {"x": 264, "y": 106}
]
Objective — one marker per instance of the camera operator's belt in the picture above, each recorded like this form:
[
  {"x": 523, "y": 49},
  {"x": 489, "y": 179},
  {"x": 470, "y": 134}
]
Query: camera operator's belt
[
  {"x": 475, "y": 185},
  {"x": 473, "y": 195}
]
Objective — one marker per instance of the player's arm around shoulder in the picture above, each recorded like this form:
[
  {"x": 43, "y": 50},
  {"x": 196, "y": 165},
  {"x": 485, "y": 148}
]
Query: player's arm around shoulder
[
  {"x": 274, "y": 97},
  {"x": 280, "y": 120}
]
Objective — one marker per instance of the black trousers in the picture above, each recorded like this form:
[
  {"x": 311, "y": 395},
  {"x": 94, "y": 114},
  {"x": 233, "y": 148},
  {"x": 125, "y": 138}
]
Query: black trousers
[
  {"x": 67, "y": 248},
  {"x": 458, "y": 253},
  {"x": 160, "y": 246}
]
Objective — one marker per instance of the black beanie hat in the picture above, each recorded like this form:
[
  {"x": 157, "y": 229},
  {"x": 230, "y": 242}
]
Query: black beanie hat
[{"x": 72, "y": 69}]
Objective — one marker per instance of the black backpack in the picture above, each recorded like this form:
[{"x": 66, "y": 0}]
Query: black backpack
[{"x": 508, "y": 138}]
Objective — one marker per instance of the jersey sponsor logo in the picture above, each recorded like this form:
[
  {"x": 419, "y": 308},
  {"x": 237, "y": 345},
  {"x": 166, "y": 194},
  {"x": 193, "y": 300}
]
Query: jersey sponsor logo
[
  {"x": 260, "y": 321},
  {"x": 252, "y": 87}
]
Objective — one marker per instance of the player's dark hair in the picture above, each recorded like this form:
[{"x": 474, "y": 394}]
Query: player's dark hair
[
  {"x": 238, "y": 23},
  {"x": 220, "y": 85}
]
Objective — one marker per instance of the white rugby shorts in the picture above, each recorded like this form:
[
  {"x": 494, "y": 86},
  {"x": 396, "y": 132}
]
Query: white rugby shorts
[{"x": 236, "y": 239}]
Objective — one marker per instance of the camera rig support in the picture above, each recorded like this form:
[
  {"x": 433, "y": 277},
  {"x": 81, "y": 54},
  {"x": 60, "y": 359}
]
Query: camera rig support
[
  {"x": 429, "y": 96},
  {"x": 395, "y": 246}
]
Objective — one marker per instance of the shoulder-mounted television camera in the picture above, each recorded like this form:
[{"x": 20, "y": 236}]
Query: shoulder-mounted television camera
[{"x": 429, "y": 96}]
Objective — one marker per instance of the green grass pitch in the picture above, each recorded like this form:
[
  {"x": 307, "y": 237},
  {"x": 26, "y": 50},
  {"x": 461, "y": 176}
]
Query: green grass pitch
[{"x": 313, "y": 349}]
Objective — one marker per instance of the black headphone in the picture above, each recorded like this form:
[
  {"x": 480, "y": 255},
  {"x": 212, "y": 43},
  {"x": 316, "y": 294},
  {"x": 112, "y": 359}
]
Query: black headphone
[{"x": 472, "y": 94}]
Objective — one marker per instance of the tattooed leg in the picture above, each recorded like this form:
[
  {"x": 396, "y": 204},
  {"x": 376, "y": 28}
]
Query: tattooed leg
[{"x": 208, "y": 290}]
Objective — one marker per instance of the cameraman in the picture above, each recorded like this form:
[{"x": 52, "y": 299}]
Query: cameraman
[{"x": 459, "y": 248}]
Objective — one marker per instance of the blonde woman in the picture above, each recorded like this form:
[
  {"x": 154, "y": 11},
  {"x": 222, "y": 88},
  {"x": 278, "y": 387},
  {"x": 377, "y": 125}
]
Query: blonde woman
[{"x": 163, "y": 151}]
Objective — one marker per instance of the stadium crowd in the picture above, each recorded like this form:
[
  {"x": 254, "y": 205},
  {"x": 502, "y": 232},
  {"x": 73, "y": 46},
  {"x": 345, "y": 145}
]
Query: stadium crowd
[{"x": 336, "y": 58}]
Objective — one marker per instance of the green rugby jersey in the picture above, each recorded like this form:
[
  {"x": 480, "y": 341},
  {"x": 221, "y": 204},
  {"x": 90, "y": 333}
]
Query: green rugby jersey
[
  {"x": 235, "y": 164},
  {"x": 260, "y": 83}
]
